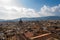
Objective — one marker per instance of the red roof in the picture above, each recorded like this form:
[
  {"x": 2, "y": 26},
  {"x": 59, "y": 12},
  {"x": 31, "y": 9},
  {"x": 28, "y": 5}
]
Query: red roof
[{"x": 28, "y": 34}]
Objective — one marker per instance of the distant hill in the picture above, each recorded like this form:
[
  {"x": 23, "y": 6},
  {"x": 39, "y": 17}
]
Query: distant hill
[
  {"x": 33, "y": 19},
  {"x": 2, "y": 20},
  {"x": 40, "y": 18}
]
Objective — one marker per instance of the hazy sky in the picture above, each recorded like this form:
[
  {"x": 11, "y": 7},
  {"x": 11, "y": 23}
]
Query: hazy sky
[{"x": 12, "y": 9}]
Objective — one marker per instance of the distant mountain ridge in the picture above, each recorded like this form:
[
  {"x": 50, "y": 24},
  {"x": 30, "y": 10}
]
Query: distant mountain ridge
[
  {"x": 33, "y": 19},
  {"x": 40, "y": 18}
]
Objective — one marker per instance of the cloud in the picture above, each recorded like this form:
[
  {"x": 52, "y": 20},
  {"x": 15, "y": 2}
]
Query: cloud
[
  {"x": 50, "y": 11},
  {"x": 10, "y": 9},
  {"x": 16, "y": 12},
  {"x": 8, "y": 2}
]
